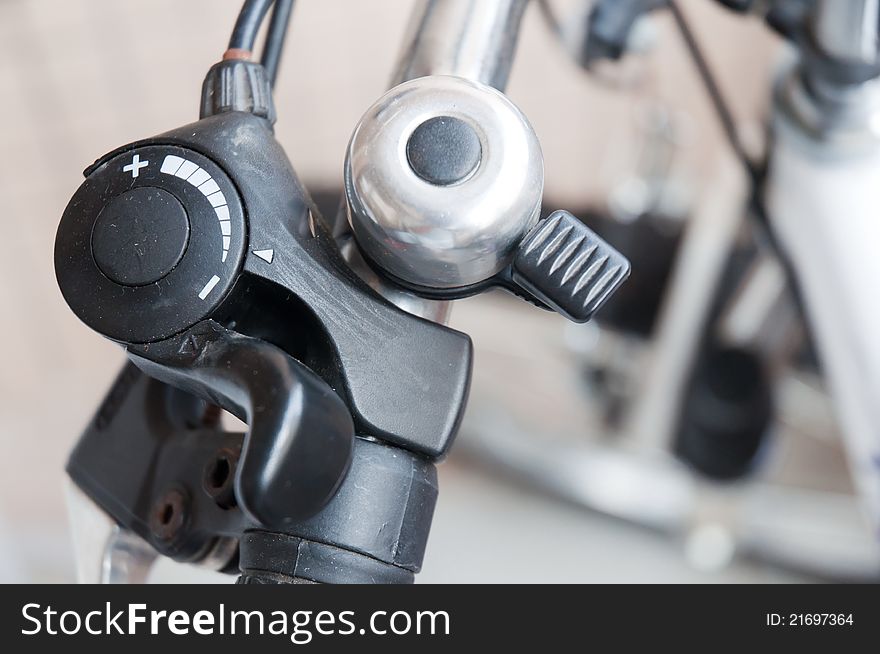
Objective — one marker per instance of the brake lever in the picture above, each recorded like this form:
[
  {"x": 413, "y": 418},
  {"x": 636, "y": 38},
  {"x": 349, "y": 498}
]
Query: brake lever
[{"x": 298, "y": 447}]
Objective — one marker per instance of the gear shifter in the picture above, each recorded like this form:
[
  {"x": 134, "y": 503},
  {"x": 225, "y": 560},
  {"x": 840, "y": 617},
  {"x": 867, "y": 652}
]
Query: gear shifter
[{"x": 201, "y": 253}]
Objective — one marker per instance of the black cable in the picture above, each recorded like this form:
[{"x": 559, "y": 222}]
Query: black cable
[
  {"x": 725, "y": 117},
  {"x": 764, "y": 233},
  {"x": 274, "y": 45},
  {"x": 550, "y": 17},
  {"x": 244, "y": 34},
  {"x": 728, "y": 124}
]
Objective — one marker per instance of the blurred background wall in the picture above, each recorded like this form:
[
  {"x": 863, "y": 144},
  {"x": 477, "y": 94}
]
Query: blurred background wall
[{"x": 80, "y": 77}]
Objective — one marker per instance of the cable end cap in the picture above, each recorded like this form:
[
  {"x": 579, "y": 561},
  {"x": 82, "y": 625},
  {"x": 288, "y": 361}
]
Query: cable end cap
[{"x": 237, "y": 85}]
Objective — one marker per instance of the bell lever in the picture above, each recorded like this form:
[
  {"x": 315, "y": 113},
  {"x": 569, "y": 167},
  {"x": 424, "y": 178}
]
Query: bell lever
[{"x": 460, "y": 212}]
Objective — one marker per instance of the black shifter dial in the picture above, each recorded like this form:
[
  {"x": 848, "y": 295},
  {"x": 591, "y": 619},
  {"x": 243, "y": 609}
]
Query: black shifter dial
[
  {"x": 140, "y": 236},
  {"x": 150, "y": 243}
]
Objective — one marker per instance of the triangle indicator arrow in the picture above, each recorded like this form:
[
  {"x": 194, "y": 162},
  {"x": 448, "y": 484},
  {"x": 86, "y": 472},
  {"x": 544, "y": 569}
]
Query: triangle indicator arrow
[{"x": 265, "y": 255}]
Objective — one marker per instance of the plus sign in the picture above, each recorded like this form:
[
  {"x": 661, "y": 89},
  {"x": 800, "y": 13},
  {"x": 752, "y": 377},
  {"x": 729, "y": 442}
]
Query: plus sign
[{"x": 135, "y": 166}]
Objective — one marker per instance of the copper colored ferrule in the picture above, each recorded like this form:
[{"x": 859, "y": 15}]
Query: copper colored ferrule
[{"x": 236, "y": 53}]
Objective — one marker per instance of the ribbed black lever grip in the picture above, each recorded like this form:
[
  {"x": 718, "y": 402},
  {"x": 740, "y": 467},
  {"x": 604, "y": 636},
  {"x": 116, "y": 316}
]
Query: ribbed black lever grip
[{"x": 565, "y": 265}]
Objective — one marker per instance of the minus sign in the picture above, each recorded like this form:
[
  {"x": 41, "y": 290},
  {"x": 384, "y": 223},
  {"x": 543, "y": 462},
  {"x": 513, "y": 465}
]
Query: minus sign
[{"x": 208, "y": 287}]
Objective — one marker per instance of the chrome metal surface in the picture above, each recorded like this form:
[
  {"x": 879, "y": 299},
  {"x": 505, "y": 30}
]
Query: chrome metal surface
[
  {"x": 104, "y": 552},
  {"x": 434, "y": 310},
  {"x": 475, "y": 39},
  {"x": 814, "y": 97},
  {"x": 847, "y": 29},
  {"x": 128, "y": 558},
  {"x": 847, "y": 114},
  {"x": 443, "y": 236}
]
